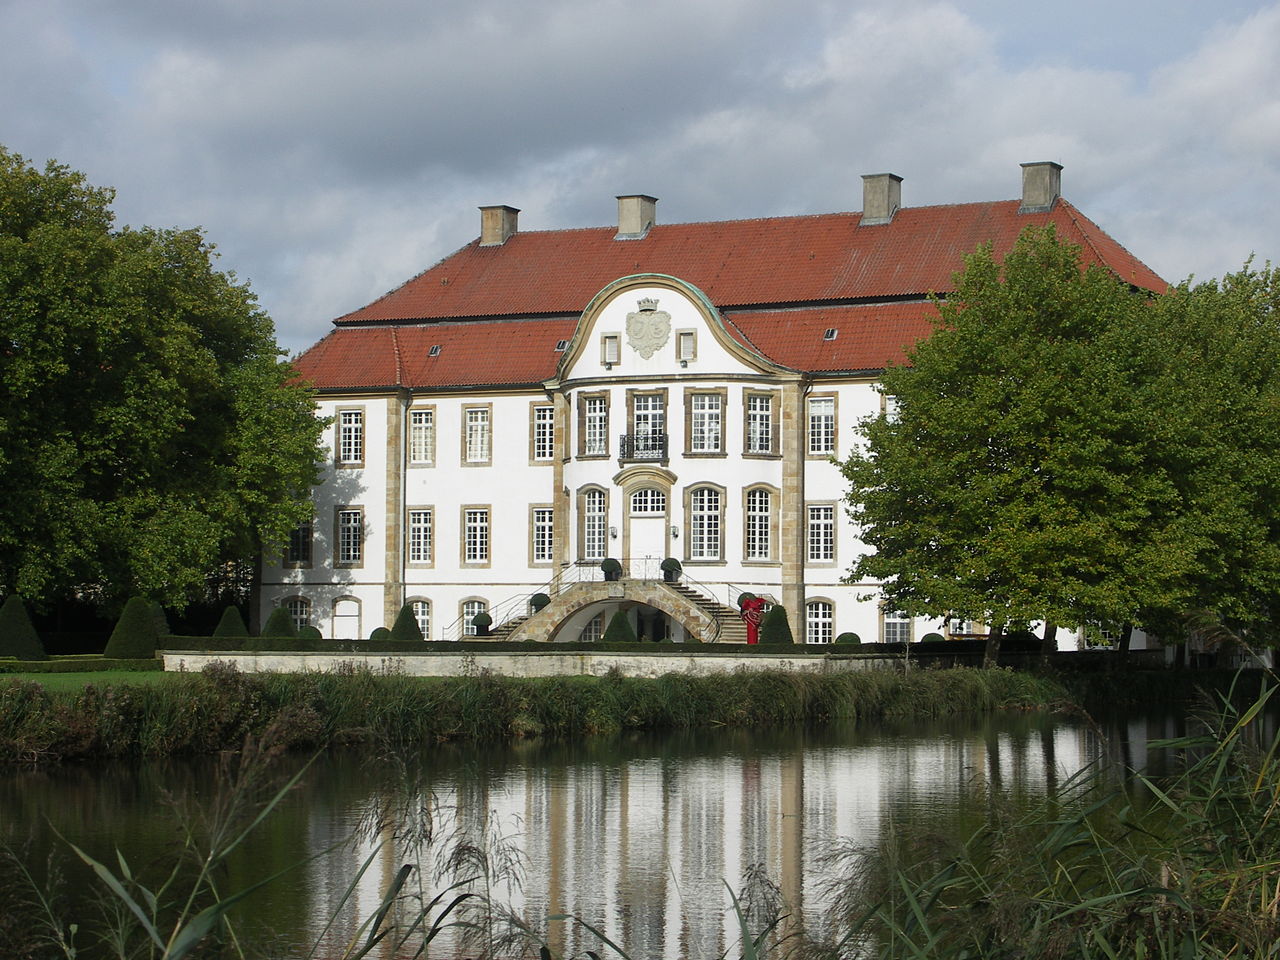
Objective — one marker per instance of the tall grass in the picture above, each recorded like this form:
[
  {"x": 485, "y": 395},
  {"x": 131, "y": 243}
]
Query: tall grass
[{"x": 216, "y": 709}]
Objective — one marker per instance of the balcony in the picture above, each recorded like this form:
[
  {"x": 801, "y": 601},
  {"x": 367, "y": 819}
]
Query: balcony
[{"x": 642, "y": 446}]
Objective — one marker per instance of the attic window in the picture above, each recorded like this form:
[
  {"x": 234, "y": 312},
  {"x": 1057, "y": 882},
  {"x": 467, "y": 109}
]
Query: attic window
[
  {"x": 561, "y": 345},
  {"x": 830, "y": 333},
  {"x": 434, "y": 351}
]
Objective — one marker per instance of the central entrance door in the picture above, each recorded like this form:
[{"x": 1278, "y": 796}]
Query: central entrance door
[{"x": 647, "y": 534}]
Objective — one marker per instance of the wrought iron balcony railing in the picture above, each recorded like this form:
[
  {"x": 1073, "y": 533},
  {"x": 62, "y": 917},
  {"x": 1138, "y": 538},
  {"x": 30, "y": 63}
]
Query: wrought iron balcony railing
[{"x": 642, "y": 446}]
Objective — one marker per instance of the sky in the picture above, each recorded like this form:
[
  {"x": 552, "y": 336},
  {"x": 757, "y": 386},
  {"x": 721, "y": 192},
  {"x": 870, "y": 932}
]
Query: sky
[{"x": 332, "y": 150}]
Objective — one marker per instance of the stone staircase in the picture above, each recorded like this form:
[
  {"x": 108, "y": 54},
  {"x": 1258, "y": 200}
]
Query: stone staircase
[{"x": 733, "y": 629}]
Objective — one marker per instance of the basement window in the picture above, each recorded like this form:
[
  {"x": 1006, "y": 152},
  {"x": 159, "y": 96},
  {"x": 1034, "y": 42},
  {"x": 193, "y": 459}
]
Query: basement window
[
  {"x": 434, "y": 351},
  {"x": 830, "y": 333}
]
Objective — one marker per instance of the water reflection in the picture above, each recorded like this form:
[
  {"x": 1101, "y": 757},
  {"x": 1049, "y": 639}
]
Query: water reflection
[{"x": 637, "y": 835}]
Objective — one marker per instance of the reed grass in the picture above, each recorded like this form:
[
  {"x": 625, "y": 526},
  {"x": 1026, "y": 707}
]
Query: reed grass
[{"x": 217, "y": 708}]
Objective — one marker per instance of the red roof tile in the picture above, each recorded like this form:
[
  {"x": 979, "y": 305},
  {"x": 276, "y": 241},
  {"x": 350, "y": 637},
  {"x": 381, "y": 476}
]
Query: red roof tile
[{"x": 739, "y": 262}]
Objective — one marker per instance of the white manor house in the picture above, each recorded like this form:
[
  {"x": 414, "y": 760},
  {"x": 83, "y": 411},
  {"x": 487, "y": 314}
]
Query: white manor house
[{"x": 539, "y": 401}]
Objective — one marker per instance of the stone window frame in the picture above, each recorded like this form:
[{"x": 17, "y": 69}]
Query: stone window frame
[
  {"x": 467, "y": 409},
  {"x": 630, "y": 425},
  {"x": 430, "y": 409},
  {"x": 305, "y": 604},
  {"x": 775, "y": 500},
  {"x": 290, "y": 558},
  {"x": 690, "y": 393},
  {"x": 464, "y": 528},
  {"x": 534, "y": 433},
  {"x": 608, "y": 340},
  {"x": 338, "y": 432},
  {"x": 775, "y": 424},
  {"x": 534, "y": 508},
  {"x": 338, "y": 511},
  {"x": 811, "y": 621},
  {"x": 581, "y": 500},
  {"x": 809, "y": 452},
  {"x": 333, "y": 613},
  {"x": 583, "y": 398},
  {"x": 430, "y": 510},
  {"x": 809, "y": 558},
  {"x": 680, "y": 335},
  {"x": 689, "y": 493}
]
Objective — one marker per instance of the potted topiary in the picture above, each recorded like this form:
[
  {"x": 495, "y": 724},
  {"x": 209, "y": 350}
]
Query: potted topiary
[
  {"x": 482, "y": 621},
  {"x": 611, "y": 568},
  {"x": 671, "y": 570},
  {"x": 538, "y": 601}
]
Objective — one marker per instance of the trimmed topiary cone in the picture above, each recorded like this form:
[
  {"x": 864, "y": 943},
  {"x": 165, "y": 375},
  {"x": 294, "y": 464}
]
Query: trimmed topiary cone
[
  {"x": 18, "y": 637},
  {"x": 231, "y": 625},
  {"x": 135, "y": 635},
  {"x": 775, "y": 627},
  {"x": 279, "y": 625},
  {"x": 406, "y": 625},
  {"x": 619, "y": 630}
]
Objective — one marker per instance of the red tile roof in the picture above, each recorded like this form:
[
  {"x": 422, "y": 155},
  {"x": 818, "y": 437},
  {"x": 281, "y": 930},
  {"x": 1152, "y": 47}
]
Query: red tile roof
[{"x": 496, "y": 312}]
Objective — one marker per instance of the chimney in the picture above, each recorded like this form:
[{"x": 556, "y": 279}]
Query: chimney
[
  {"x": 881, "y": 198},
  {"x": 1041, "y": 186},
  {"x": 636, "y": 214},
  {"x": 497, "y": 225}
]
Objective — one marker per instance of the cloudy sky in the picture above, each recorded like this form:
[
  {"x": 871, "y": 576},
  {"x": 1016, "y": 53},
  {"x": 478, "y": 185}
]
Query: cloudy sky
[{"x": 333, "y": 149}]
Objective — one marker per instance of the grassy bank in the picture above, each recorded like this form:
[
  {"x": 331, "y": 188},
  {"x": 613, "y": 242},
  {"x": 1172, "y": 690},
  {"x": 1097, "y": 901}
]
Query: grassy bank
[{"x": 217, "y": 708}]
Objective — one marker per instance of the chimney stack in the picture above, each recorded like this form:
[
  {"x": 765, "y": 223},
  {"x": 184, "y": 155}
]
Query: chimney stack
[
  {"x": 636, "y": 214},
  {"x": 881, "y": 198},
  {"x": 497, "y": 225},
  {"x": 1041, "y": 186}
]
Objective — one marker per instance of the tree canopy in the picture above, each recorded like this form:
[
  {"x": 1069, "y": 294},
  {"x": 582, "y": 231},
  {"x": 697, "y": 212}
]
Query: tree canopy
[
  {"x": 1066, "y": 449},
  {"x": 149, "y": 431}
]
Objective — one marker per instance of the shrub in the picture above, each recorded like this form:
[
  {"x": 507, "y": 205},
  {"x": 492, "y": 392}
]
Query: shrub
[
  {"x": 18, "y": 637},
  {"x": 849, "y": 638},
  {"x": 619, "y": 630},
  {"x": 406, "y": 625},
  {"x": 310, "y": 633},
  {"x": 538, "y": 601},
  {"x": 775, "y": 627},
  {"x": 380, "y": 633},
  {"x": 231, "y": 624},
  {"x": 931, "y": 638},
  {"x": 279, "y": 625},
  {"x": 135, "y": 636}
]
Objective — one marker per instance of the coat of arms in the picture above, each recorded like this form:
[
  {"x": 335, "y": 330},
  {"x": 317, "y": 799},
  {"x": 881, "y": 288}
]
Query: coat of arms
[{"x": 648, "y": 328}]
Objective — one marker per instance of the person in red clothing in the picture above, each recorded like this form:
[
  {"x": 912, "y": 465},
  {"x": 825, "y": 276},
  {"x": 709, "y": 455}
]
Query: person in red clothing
[{"x": 752, "y": 611}]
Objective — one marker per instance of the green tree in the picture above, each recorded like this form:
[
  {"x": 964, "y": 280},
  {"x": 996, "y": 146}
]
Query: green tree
[
  {"x": 1013, "y": 483},
  {"x": 149, "y": 433}
]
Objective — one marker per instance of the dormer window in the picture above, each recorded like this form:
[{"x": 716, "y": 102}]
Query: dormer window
[
  {"x": 561, "y": 346},
  {"x": 686, "y": 346},
  {"x": 434, "y": 351},
  {"x": 610, "y": 349},
  {"x": 830, "y": 333}
]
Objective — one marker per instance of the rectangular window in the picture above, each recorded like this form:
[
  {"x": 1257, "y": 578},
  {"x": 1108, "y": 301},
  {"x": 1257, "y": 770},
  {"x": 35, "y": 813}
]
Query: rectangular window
[
  {"x": 351, "y": 437},
  {"x": 544, "y": 433},
  {"x": 610, "y": 348},
  {"x": 422, "y": 613},
  {"x": 706, "y": 422},
  {"x": 595, "y": 525},
  {"x": 350, "y": 536},
  {"x": 595, "y": 427},
  {"x": 648, "y": 438},
  {"x": 420, "y": 536},
  {"x": 686, "y": 346},
  {"x": 477, "y": 438},
  {"x": 298, "y": 552},
  {"x": 822, "y": 532},
  {"x": 819, "y": 621},
  {"x": 822, "y": 426},
  {"x": 759, "y": 423},
  {"x": 422, "y": 436},
  {"x": 759, "y": 515},
  {"x": 543, "y": 535},
  {"x": 475, "y": 527},
  {"x": 300, "y": 611}
]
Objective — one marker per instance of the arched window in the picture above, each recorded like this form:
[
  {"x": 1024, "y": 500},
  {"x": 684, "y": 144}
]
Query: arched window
[
  {"x": 759, "y": 544},
  {"x": 300, "y": 610},
  {"x": 346, "y": 619},
  {"x": 422, "y": 613},
  {"x": 705, "y": 528},
  {"x": 648, "y": 502},
  {"x": 819, "y": 619},
  {"x": 469, "y": 609},
  {"x": 595, "y": 525}
]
